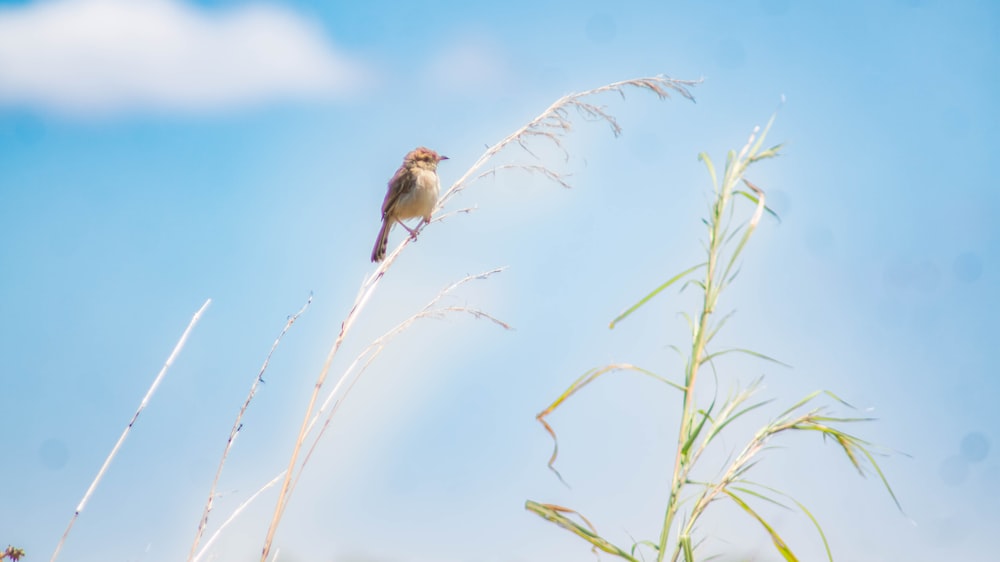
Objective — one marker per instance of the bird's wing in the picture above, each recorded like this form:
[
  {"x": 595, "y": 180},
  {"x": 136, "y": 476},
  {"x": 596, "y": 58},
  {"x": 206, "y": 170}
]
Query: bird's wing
[
  {"x": 395, "y": 189},
  {"x": 402, "y": 182}
]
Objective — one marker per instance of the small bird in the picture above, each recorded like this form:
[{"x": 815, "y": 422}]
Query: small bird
[{"x": 413, "y": 192}]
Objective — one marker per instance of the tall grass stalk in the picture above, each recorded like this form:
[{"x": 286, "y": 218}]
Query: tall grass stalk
[
  {"x": 711, "y": 286},
  {"x": 700, "y": 425}
]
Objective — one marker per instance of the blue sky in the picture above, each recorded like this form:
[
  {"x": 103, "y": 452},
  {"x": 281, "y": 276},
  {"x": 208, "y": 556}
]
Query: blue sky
[{"x": 155, "y": 154}]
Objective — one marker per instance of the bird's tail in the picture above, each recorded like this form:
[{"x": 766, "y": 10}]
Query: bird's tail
[{"x": 378, "y": 252}]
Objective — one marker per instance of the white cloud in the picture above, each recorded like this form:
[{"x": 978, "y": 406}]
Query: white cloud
[{"x": 110, "y": 55}]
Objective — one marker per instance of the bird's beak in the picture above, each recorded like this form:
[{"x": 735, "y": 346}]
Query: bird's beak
[{"x": 440, "y": 158}]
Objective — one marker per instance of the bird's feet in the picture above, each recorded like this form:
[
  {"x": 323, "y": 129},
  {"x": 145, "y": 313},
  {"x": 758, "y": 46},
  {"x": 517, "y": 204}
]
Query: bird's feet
[{"x": 413, "y": 232}]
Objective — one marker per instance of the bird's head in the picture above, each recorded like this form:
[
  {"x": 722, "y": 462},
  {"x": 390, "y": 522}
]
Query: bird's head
[{"x": 425, "y": 157}]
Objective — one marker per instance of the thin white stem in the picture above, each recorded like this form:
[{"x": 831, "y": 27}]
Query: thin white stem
[{"x": 128, "y": 428}]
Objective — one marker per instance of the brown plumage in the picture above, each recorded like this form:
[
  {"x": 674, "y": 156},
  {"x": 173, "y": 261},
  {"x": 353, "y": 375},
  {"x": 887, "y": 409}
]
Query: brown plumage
[{"x": 413, "y": 192}]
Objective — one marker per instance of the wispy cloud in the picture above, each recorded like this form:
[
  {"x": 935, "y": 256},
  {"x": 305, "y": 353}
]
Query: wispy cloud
[{"x": 87, "y": 56}]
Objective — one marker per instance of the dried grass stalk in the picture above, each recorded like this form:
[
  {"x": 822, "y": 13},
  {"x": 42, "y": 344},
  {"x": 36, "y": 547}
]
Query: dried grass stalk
[
  {"x": 131, "y": 423},
  {"x": 550, "y": 125}
]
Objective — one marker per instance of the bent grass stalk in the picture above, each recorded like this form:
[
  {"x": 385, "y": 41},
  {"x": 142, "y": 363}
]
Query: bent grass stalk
[
  {"x": 550, "y": 125},
  {"x": 699, "y": 427}
]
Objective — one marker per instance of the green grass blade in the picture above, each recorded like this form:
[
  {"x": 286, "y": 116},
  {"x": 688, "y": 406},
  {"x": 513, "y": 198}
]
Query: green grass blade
[
  {"x": 763, "y": 134},
  {"x": 646, "y": 543},
  {"x": 718, "y": 326},
  {"x": 751, "y": 226},
  {"x": 730, "y": 163},
  {"x": 711, "y": 168},
  {"x": 779, "y": 543},
  {"x": 885, "y": 481},
  {"x": 839, "y": 399},
  {"x": 819, "y": 528},
  {"x": 772, "y": 152},
  {"x": 809, "y": 397},
  {"x": 705, "y": 415},
  {"x": 761, "y": 496},
  {"x": 712, "y": 356},
  {"x": 754, "y": 199},
  {"x": 555, "y": 515},
  {"x": 718, "y": 429},
  {"x": 655, "y": 292}
]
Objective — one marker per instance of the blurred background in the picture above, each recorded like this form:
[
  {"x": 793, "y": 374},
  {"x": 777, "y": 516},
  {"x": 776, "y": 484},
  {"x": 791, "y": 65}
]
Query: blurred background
[{"x": 156, "y": 153}]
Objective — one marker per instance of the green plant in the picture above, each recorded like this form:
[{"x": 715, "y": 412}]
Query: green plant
[{"x": 700, "y": 426}]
